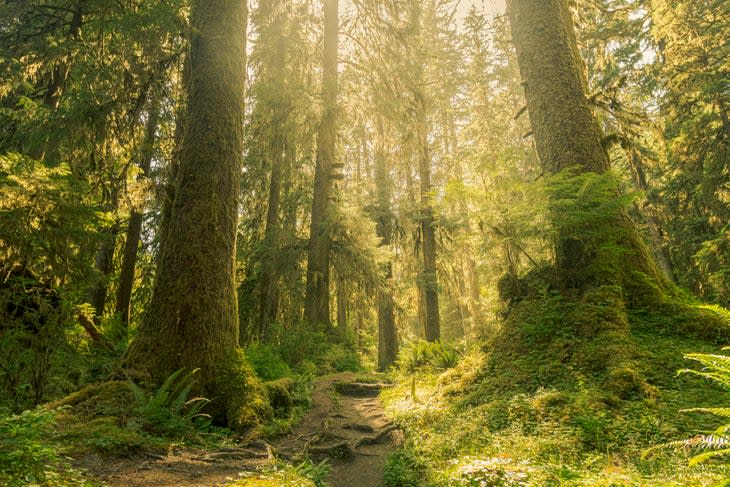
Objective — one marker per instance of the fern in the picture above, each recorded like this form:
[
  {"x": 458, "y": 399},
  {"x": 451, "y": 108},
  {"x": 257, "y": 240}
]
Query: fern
[
  {"x": 427, "y": 354},
  {"x": 168, "y": 411},
  {"x": 717, "y": 444}
]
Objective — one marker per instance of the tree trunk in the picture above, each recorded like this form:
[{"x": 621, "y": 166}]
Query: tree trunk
[
  {"x": 567, "y": 135},
  {"x": 169, "y": 185},
  {"x": 269, "y": 296},
  {"x": 429, "y": 278},
  {"x": 192, "y": 319},
  {"x": 317, "y": 300},
  {"x": 103, "y": 264},
  {"x": 136, "y": 217},
  {"x": 341, "y": 305},
  {"x": 387, "y": 337}
]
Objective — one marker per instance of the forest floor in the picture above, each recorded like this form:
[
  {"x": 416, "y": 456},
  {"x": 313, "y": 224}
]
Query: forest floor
[{"x": 346, "y": 427}]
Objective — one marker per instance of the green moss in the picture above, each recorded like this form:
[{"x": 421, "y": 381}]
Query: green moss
[
  {"x": 104, "y": 434},
  {"x": 626, "y": 383},
  {"x": 110, "y": 398},
  {"x": 243, "y": 397},
  {"x": 279, "y": 393}
]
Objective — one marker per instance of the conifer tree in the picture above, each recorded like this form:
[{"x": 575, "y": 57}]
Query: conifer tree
[
  {"x": 192, "y": 319},
  {"x": 317, "y": 300}
]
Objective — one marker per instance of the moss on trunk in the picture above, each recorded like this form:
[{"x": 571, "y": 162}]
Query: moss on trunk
[
  {"x": 583, "y": 314},
  {"x": 192, "y": 319}
]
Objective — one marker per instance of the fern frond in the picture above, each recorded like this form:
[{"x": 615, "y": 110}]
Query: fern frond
[
  {"x": 167, "y": 385},
  {"x": 703, "y": 457},
  {"x": 713, "y": 442},
  {"x": 722, "y": 412},
  {"x": 719, "y": 362},
  {"x": 721, "y": 377}
]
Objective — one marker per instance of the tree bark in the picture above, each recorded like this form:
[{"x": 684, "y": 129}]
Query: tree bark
[
  {"x": 429, "y": 277},
  {"x": 341, "y": 305},
  {"x": 317, "y": 300},
  {"x": 567, "y": 135},
  {"x": 136, "y": 217},
  {"x": 192, "y": 319},
  {"x": 269, "y": 296},
  {"x": 387, "y": 337}
]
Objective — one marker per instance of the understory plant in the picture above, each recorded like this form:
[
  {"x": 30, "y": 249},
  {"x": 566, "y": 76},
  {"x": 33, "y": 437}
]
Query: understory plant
[
  {"x": 26, "y": 455},
  {"x": 167, "y": 411},
  {"x": 421, "y": 353},
  {"x": 715, "y": 445}
]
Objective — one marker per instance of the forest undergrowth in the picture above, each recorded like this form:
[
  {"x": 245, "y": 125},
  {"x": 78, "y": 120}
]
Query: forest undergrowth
[
  {"x": 538, "y": 404},
  {"x": 119, "y": 418}
]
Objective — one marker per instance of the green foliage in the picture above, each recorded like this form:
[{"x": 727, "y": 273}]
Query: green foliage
[
  {"x": 267, "y": 362},
  {"x": 316, "y": 472},
  {"x": 167, "y": 411},
  {"x": 420, "y": 353},
  {"x": 305, "y": 350},
  {"x": 48, "y": 233},
  {"x": 562, "y": 397},
  {"x": 45, "y": 222},
  {"x": 716, "y": 445},
  {"x": 27, "y": 457},
  {"x": 403, "y": 469}
]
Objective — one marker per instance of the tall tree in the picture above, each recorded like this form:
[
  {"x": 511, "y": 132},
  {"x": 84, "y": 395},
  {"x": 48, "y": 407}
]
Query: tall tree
[
  {"x": 317, "y": 300},
  {"x": 568, "y": 138},
  {"x": 428, "y": 280},
  {"x": 192, "y": 319},
  {"x": 387, "y": 336}
]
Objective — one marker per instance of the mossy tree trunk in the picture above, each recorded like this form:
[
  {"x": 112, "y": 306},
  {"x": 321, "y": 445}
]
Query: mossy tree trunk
[
  {"x": 429, "y": 276},
  {"x": 192, "y": 319},
  {"x": 317, "y": 299},
  {"x": 387, "y": 337},
  {"x": 568, "y": 136}
]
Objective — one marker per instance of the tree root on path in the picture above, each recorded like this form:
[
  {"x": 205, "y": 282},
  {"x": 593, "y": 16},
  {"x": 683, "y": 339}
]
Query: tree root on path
[
  {"x": 360, "y": 388},
  {"x": 371, "y": 440},
  {"x": 348, "y": 448},
  {"x": 259, "y": 449}
]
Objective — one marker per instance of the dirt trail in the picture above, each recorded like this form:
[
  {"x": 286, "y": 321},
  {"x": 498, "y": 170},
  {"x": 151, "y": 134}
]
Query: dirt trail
[{"x": 346, "y": 426}]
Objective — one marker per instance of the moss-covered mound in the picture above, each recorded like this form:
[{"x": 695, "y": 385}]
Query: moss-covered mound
[{"x": 571, "y": 391}]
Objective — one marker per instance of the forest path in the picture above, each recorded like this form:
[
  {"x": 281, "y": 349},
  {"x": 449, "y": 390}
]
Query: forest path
[{"x": 346, "y": 427}]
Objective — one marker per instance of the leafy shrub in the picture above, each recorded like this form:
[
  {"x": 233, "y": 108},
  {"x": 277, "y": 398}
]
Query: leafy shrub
[
  {"x": 339, "y": 358},
  {"x": 316, "y": 472},
  {"x": 267, "y": 362},
  {"x": 403, "y": 469},
  {"x": 302, "y": 349},
  {"x": 27, "y": 457}
]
